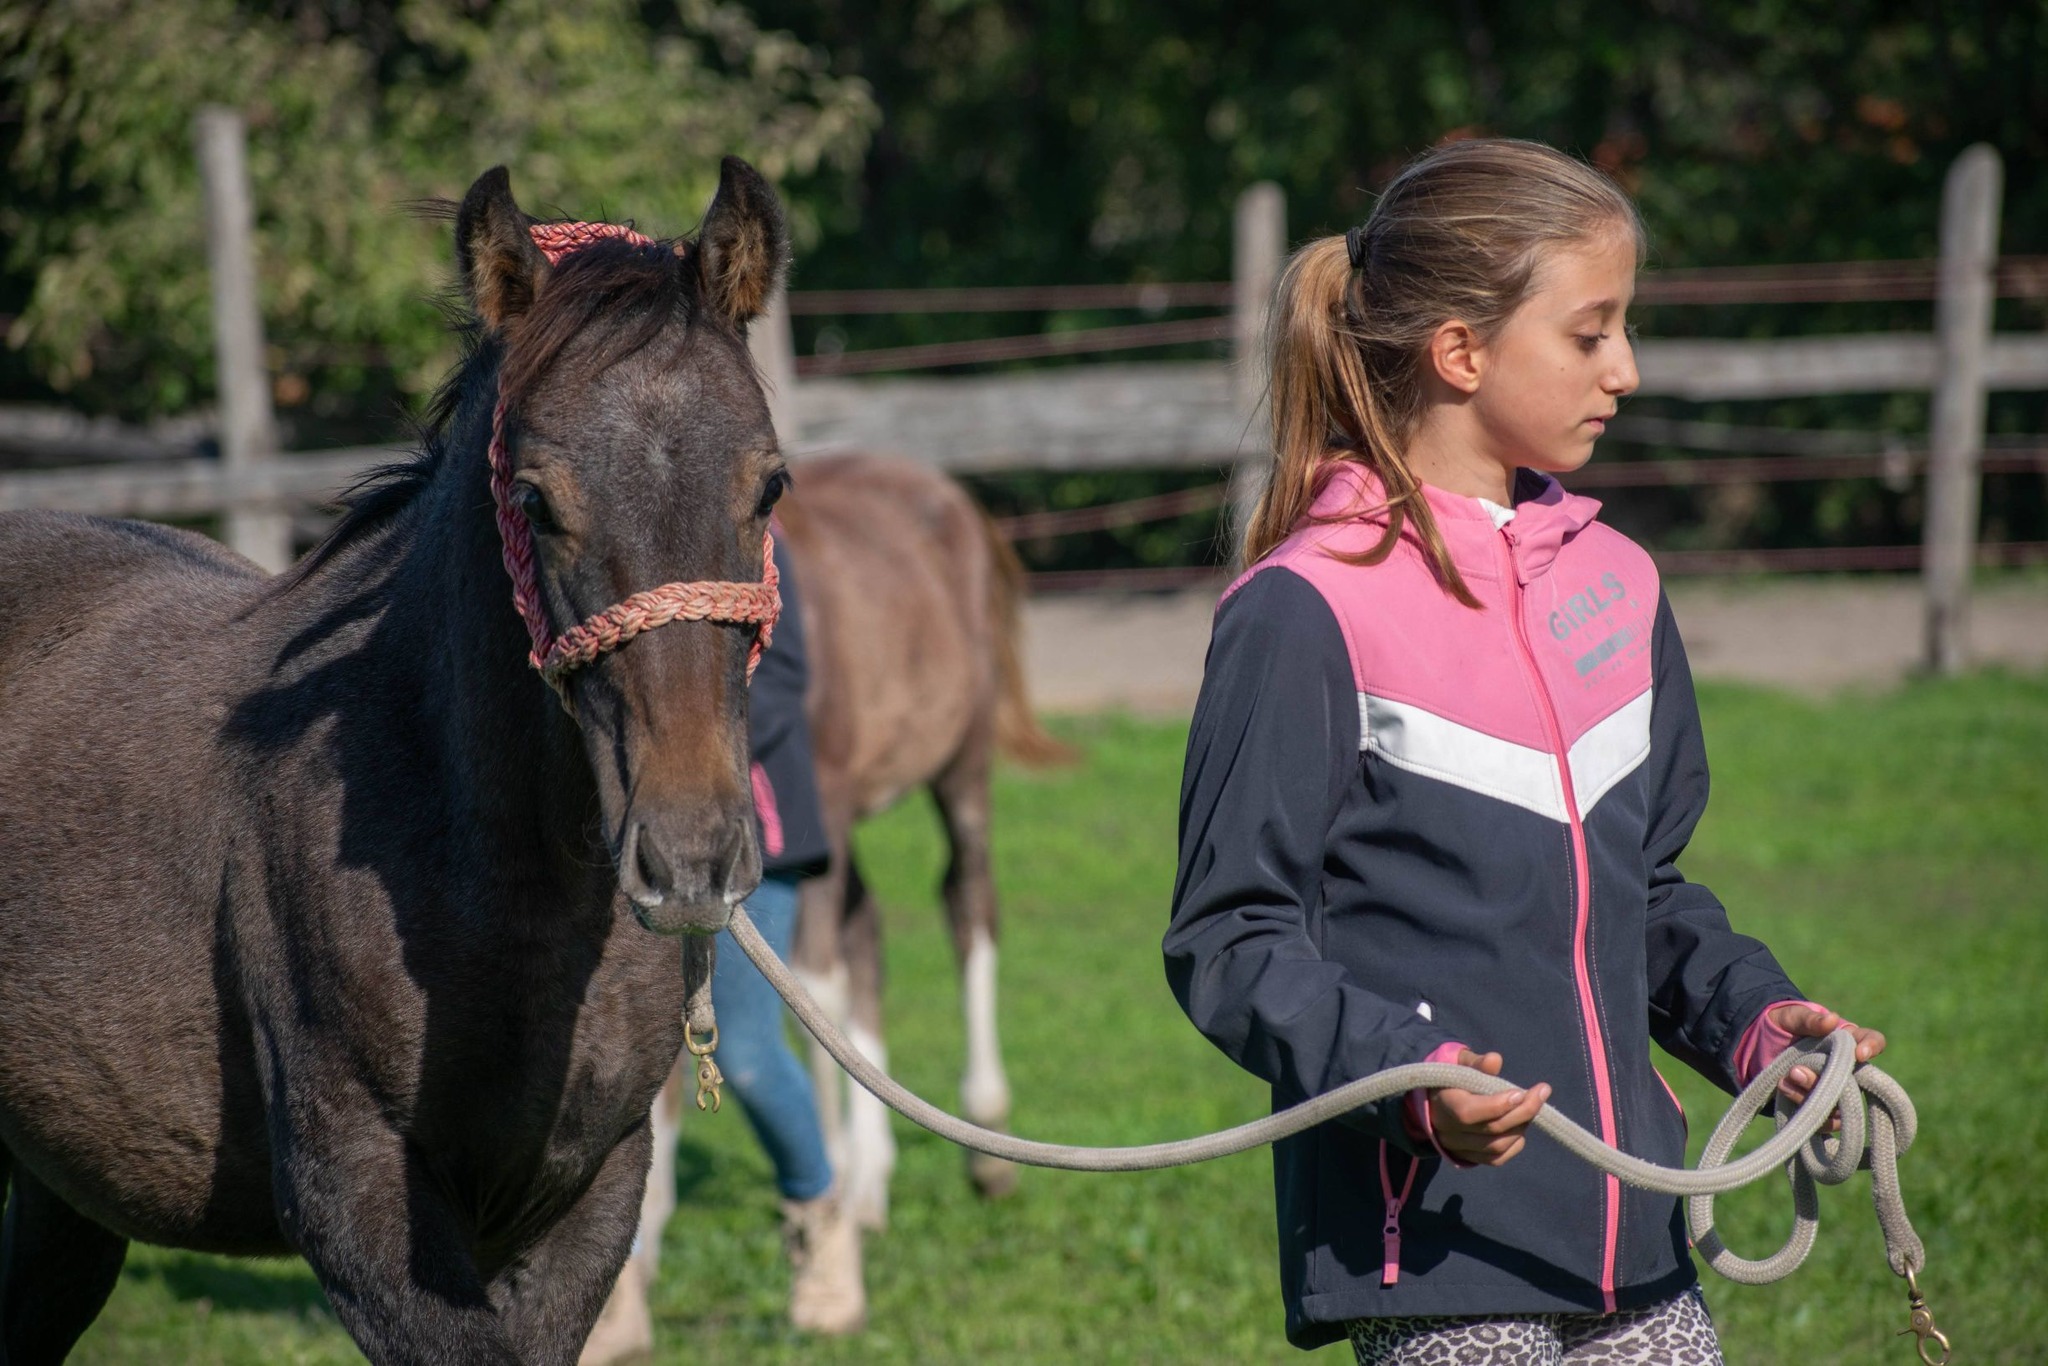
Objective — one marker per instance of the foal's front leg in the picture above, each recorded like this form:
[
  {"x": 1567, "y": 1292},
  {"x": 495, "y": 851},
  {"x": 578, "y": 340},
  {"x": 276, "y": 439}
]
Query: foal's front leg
[
  {"x": 551, "y": 1296},
  {"x": 388, "y": 1250}
]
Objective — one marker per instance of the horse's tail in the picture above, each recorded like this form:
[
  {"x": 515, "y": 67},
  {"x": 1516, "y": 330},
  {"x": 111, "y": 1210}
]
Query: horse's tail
[{"x": 1018, "y": 734}]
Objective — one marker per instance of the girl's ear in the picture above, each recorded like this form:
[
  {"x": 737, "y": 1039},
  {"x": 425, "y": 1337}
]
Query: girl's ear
[{"x": 1457, "y": 356}]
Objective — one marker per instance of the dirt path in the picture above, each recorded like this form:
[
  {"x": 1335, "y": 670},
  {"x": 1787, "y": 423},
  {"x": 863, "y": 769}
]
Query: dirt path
[{"x": 1144, "y": 651}]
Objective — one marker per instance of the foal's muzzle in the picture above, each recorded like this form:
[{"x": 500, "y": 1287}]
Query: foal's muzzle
[{"x": 685, "y": 878}]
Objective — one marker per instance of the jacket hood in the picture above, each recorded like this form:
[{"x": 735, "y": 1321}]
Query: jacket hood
[{"x": 1546, "y": 515}]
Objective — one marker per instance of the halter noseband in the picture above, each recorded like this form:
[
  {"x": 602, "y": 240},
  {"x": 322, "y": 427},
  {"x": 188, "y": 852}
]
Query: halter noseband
[{"x": 705, "y": 600}]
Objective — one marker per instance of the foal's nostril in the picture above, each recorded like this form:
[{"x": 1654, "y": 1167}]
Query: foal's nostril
[
  {"x": 740, "y": 870},
  {"x": 653, "y": 867}
]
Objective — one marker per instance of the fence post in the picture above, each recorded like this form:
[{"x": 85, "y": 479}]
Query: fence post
[
  {"x": 248, "y": 428},
  {"x": 774, "y": 347},
  {"x": 1962, "y": 327},
  {"x": 1258, "y": 250}
]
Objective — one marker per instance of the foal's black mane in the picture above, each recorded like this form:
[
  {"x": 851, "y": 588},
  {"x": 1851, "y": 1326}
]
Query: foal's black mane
[{"x": 622, "y": 293}]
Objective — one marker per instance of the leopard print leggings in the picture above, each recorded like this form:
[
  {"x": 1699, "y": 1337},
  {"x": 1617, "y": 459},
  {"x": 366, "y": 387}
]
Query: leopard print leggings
[{"x": 1678, "y": 1332}]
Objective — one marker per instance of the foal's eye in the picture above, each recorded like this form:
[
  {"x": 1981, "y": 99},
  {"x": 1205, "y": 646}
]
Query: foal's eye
[
  {"x": 778, "y": 484},
  {"x": 533, "y": 506}
]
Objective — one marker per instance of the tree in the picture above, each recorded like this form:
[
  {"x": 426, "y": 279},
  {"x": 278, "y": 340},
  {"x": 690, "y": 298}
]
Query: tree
[{"x": 358, "y": 112}]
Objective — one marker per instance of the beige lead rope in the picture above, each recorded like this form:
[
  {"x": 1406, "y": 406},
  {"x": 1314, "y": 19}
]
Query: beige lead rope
[{"x": 1878, "y": 1125}]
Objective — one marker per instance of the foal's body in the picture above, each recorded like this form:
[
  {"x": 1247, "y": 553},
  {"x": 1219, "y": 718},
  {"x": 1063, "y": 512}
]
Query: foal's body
[
  {"x": 275, "y": 891},
  {"x": 311, "y": 929}
]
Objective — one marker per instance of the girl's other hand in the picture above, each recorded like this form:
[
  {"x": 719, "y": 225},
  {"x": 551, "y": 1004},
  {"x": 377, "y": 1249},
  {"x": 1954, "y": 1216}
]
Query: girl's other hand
[
  {"x": 1804, "y": 1022},
  {"x": 1480, "y": 1129}
]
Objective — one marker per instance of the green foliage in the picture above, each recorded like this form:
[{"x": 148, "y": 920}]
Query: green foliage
[
  {"x": 1887, "y": 847},
  {"x": 1105, "y": 140},
  {"x": 599, "y": 109}
]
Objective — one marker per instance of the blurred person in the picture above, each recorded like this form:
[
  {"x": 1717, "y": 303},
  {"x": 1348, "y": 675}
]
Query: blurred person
[{"x": 1444, "y": 762}]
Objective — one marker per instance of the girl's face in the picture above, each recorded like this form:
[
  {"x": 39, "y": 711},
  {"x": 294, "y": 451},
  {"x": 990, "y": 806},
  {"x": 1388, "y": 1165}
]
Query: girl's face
[{"x": 1555, "y": 372}]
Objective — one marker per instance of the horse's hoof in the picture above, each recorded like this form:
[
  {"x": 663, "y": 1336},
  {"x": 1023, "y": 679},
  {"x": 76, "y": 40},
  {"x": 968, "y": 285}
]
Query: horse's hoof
[{"x": 993, "y": 1177}]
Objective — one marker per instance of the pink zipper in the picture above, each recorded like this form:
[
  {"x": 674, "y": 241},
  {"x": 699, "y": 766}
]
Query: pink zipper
[
  {"x": 1390, "y": 1231},
  {"x": 1582, "y": 920}
]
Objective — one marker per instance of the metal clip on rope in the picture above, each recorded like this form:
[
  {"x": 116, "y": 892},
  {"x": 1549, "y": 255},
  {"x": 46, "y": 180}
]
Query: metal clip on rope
[
  {"x": 700, "y": 1024},
  {"x": 1878, "y": 1126}
]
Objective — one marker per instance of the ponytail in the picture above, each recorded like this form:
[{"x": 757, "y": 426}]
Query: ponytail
[{"x": 1324, "y": 408}]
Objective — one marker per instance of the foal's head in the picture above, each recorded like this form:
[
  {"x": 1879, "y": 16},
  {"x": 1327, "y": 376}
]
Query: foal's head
[{"x": 641, "y": 454}]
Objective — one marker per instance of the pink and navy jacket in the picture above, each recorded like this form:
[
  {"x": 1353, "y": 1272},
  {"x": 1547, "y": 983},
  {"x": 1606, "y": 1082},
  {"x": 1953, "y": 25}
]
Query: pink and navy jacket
[{"x": 1406, "y": 824}]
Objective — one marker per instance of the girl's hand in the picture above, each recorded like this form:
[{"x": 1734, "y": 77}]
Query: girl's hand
[
  {"x": 1806, "y": 1022},
  {"x": 1483, "y": 1129}
]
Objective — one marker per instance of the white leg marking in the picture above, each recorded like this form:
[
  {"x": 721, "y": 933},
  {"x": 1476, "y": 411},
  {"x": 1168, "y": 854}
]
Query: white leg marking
[
  {"x": 871, "y": 1148},
  {"x": 828, "y": 1084},
  {"x": 984, "y": 1090}
]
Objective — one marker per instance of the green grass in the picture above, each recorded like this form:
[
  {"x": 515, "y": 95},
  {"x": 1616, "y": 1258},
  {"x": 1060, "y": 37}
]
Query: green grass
[{"x": 1893, "y": 849}]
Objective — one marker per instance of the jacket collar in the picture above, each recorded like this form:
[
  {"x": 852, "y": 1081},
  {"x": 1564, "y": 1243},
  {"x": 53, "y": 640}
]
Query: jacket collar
[{"x": 1546, "y": 517}]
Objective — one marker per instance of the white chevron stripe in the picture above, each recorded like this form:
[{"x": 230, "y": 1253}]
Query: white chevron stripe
[
  {"x": 1420, "y": 741},
  {"x": 1610, "y": 751}
]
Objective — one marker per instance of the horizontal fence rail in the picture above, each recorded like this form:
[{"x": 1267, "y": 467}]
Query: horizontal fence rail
[{"x": 2019, "y": 277}]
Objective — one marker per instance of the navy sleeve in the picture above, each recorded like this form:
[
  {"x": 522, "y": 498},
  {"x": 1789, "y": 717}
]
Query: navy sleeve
[
  {"x": 1707, "y": 983},
  {"x": 1272, "y": 753}
]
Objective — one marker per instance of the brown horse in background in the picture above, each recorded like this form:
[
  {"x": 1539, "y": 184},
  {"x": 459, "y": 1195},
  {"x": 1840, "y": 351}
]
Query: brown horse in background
[{"x": 910, "y": 597}]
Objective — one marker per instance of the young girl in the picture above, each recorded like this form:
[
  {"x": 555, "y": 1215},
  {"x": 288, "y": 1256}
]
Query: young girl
[{"x": 1445, "y": 759}]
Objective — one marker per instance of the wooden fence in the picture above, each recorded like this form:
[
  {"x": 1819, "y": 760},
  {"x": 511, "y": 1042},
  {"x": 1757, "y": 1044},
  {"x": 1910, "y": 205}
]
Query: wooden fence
[{"x": 1203, "y": 413}]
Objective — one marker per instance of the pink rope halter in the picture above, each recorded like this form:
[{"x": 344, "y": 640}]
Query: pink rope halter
[{"x": 705, "y": 600}]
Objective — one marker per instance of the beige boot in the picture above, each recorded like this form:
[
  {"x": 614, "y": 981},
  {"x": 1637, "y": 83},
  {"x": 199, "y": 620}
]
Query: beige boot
[
  {"x": 625, "y": 1330},
  {"x": 826, "y": 1293}
]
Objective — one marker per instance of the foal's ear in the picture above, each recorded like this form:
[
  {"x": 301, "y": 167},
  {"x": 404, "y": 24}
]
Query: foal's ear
[
  {"x": 744, "y": 247},
  {"x": 501, "y": 267}
]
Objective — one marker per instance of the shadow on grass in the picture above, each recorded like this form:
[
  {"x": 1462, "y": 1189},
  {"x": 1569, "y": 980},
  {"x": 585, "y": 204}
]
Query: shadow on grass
[{"x": 265, "y": 1287}]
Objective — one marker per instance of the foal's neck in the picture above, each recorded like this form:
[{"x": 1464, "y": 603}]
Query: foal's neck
[{"x": 522, "y": 801}]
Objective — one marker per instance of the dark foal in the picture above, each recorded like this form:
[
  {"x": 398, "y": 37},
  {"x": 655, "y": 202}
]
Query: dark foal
[{"x": 311, "y": 933}]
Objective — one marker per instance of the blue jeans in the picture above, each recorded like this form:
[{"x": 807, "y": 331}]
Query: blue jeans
[{"x": 773, "y": 1087}]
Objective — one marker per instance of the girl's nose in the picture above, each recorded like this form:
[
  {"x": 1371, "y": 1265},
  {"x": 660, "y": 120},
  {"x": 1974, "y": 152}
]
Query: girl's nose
[{"x": 1623, "y": 379}]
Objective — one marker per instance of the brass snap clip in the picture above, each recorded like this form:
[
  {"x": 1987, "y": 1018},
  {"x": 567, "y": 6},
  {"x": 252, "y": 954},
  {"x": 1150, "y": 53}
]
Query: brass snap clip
[
  {"x": 1934, "y": 1348},
  {"x": 709, "y": 1078}
]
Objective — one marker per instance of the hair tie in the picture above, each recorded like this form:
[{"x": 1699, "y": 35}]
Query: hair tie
[{"x": 1354, "y": 243}]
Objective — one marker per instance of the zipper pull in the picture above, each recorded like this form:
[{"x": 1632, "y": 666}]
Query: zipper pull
[{"x": 1390, "y": 1268}]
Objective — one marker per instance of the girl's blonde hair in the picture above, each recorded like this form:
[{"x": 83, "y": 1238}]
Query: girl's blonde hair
[{"x": 1458, "y": 234}]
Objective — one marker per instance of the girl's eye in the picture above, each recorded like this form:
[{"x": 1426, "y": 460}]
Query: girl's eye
[
  {"x": 778, "y": 484},
  {"x": 533, "y": 506},
  {"x": 1589, "y": 344},
  {"x": 1630, "y": 332}
]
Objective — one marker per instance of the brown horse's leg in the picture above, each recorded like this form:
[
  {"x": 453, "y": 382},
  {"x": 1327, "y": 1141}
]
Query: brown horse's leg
[
  {"x": 57, "y": 1268},
  {"x": 961, "y": 791},
  {"x": 871, "y": 1147},
  {"x": 821, "y": 966}
]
